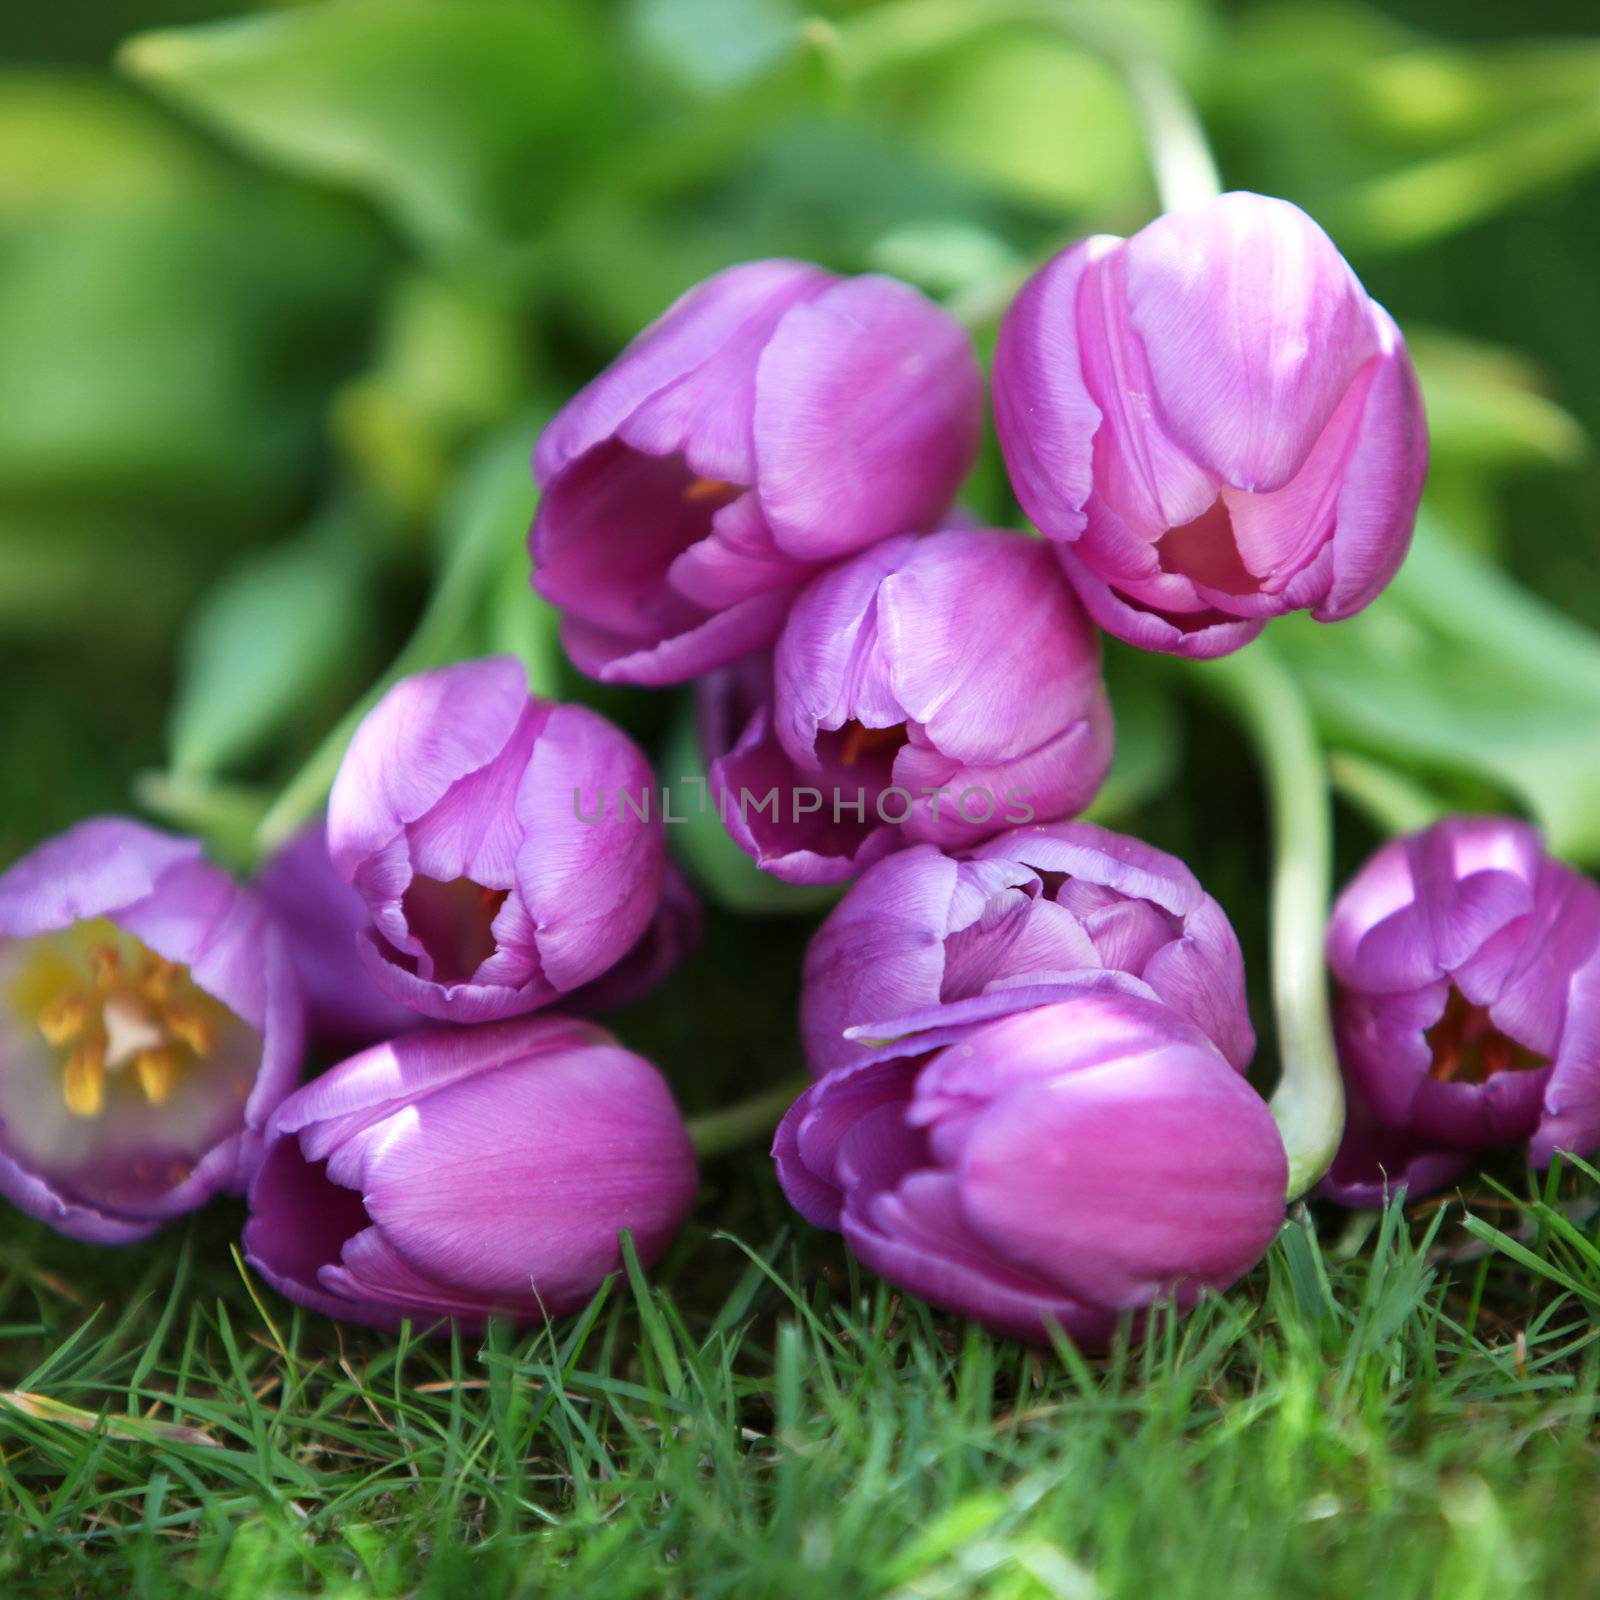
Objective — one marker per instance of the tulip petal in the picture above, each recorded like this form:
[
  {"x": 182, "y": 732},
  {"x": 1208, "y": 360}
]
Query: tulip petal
[{"x": 868, "y": 408}]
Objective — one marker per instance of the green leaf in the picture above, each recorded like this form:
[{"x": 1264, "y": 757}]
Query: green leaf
[
  {"x": 1149, "y": 745},
  {"x": 451, "y": 362},
  {"x": 461, "y": 120},
  {"x": 275, "y": 637},
  {"x": 1456, "y": 669},
  {"x": 716, "y": 45}
]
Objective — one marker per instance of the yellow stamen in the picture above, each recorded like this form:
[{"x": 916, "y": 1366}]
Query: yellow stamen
[
  {"x": 83, "y": 1085},
  {"x": 158, "y": 978},
  {"x": 156, "y": 1070},
  {"x": 196, "y": 1030},
  {"x": 105, "y": 964},
  {"x": 705, "y": 491},
  {"x": 64, "y": 1018}
]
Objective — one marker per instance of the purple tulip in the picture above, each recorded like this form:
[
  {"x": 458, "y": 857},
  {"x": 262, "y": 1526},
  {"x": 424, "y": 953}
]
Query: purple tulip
[
  {"x": 1467, "y": 1010},
  {"x": 149, "y": 1023},
  {"x": 1214, "y": 422},
  {"x": 924, "y": 940},
  {"x": 323, "y": 918},
  {"x": 1063, "y": 1165},
  {"x": 902, "y": 714},
  {"x": 509, "y": 850},
  {"x": 462, "y": 1173},
  {"x": 774, "y": 419}
]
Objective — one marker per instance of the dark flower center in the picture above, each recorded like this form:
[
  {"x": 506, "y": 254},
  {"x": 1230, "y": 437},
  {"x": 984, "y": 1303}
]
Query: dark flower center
[
  {"x": 1205, "y": 551},
  {"x": 454, "y": 923},
  {"x": 1468, "y": 1048},
  {"x": 855, "y": 744}
]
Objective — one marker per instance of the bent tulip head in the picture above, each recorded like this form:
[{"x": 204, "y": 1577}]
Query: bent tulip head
[
  {"x": 149, "y": 1023},
  {"x": 1214, "y": 422},
  {"x": 509, "y": 850},
  {"x": 1467, "y": 1011},
  {"x": 1058, "y": 1167},
  {"x": 911, "y": 716},
  {"x": 463, "y": 1173},
  {"x": 777, "y": 417},
  {"x": 924, "y": 940}
]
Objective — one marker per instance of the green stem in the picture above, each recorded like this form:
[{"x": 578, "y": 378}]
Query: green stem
[
  {"x": 1180, "y": 156},
  {"x": 1309, "y": 1100},
  {"x": 1391, "y": 802},
  {"x": 745, "y": 1120}
]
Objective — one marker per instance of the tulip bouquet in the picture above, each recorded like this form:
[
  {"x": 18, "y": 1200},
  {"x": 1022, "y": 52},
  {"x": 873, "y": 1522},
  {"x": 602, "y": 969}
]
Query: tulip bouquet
[{"x": 1028, "y": 1036}]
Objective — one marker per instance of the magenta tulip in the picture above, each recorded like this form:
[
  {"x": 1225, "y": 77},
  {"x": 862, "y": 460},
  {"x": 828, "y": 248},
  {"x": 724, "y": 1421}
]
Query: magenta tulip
[
  {"x": 925, "y": 940},
  {"x": 509, "y": 850},
  {"x": 1467, "y": 1011},
  {"x": 463, "y": 1173},
  {"x": 774, "y": 419},
  {"x": 1214, "y": 422},
  {"x": 902, "y": 713},
  {"x": 149, "y": 1024},
  {"x": 1058, "y": 1168}
]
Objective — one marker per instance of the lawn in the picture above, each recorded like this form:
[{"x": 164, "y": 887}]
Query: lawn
[{"x": 285, "y": 300}]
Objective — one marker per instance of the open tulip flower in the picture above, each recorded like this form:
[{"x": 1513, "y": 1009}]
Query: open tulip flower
[
  {"x": 925, "y": 939},
  {"x": 1214, "y": 422},
  {"x": 774, "y": 419},
  {"x": 508, "y": 849},
  {"x": 324, "y": 920},
  {"x": 149, "y": 1023},
  {"x": 901, "y": 713},
  {"x": 462, "y": 1173},
  {"x": 1468, "y": 1007},
  {"x": 1059, "y": 1167}
]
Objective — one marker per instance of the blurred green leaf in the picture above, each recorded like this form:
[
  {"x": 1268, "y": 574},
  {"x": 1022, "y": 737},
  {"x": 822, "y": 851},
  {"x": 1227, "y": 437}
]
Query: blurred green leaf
[
  {"x": 452, "y": 360},
  {"x": 481, "y": 527},
  {"x": 461, "y": 120},
  {"x": 716, "y": 45},
  {"x": 281, "y": 631},
  {"x": 1456, "y": 669},
  {"x": 1486, "y": 410},
  {"x": 170, "y": 326}
]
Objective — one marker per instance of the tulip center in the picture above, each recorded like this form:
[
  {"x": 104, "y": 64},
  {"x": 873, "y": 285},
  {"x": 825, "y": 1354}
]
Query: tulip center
[
  {"x": 1468, "y": 1048},
  {"x": 1206, "y": 552},
  {"x": 855, "y": 745},
  {"x": 710, "y": 494},
  {"x": 454, "y": 923},
  {"x": 114, "y": 1013}
]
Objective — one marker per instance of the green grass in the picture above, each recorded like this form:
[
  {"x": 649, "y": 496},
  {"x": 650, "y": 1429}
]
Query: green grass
[{"x": 1412, "y": 1414}]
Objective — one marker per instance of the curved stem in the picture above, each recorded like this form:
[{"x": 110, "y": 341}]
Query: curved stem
[
  {"x": 1309, "y": 1100},
  {"x": 1181, "y": 162},
  {"x": 717, "y": 1132}
]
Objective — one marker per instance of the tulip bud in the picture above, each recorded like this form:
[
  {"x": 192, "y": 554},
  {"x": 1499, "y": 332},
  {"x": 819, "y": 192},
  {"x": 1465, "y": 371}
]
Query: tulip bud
[
  {"x": 1057, "y": 1167},
  {"x": 774, "y": 419},
  {"x": 509, "y": 850},
  {"x": 1467, "y": 1008},
  {"x": 924, "y": 940},
  {"x": 1214, "y": 422},
  {"x": 149, "y": 1023},
  {"x": 901, "y": 714},
  {"x": 463, "y": 1173},
  {"x": 324, "y": 919}
]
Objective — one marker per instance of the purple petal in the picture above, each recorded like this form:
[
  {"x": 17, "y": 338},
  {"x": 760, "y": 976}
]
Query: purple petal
[
  {"x": 1254, "y": 327},
  {"x": 868, "y": 410},
  {"x": 1046, "y": 418}
]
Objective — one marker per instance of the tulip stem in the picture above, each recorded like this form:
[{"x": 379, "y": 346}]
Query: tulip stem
[
  {"x": 1309, "y": 1100},
  {"x": 744, "y": 1121},
  {"x": 1175, "y": 140}
]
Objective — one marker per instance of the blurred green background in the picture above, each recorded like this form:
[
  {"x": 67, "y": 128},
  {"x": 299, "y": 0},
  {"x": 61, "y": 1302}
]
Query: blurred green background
[{"x": 285, "y": 294}]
